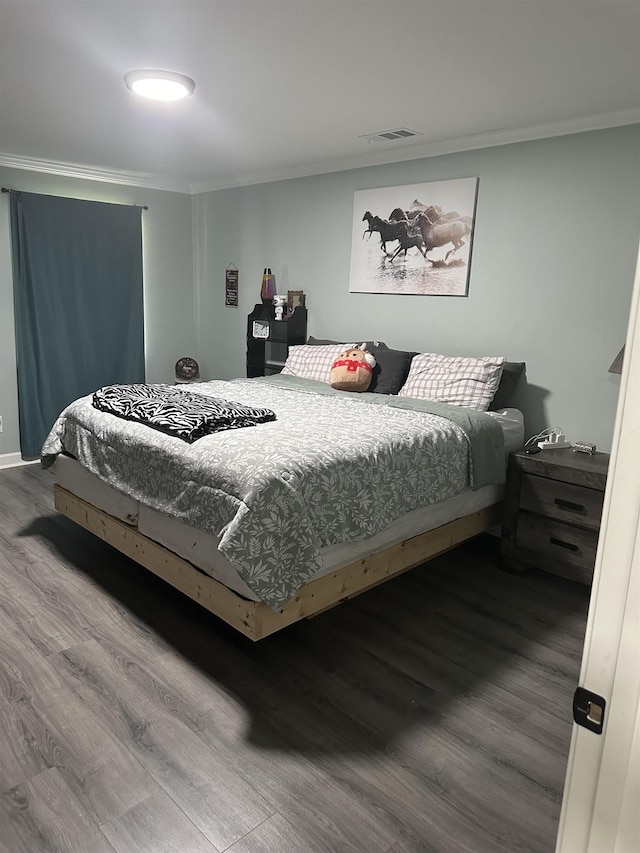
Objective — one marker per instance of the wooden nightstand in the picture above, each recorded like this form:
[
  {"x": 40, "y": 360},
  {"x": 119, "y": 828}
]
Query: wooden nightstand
[{"x": 552, "y": 510}]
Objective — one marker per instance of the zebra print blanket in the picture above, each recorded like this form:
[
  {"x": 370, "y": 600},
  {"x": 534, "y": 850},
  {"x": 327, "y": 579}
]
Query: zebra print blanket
[{"x": 175, "y": 411}]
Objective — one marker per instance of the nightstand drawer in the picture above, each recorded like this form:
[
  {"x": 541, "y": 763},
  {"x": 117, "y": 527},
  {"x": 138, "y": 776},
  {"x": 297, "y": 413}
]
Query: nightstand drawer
[
  {"x": 555, "y": 539},
  {"x": 563, "y": 501}
]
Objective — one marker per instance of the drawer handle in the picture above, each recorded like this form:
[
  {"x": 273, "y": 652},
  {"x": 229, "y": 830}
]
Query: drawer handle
[
  {"x": 568, "y": 545},
  {"x": 569, "y": 505}
]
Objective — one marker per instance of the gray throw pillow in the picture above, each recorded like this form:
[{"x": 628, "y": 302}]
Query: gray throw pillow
[
  {"x": 322, "y": 342},
  {"x": 511, "y": 373},
  {"x": 391, "y": 370}
]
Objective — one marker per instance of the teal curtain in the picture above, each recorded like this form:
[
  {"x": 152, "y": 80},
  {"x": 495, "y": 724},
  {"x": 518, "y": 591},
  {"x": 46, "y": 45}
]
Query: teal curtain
[{"x": 77, "y": 275}]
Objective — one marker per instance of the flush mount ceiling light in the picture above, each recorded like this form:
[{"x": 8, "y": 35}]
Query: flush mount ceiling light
[{"x": 159, "y": 85}]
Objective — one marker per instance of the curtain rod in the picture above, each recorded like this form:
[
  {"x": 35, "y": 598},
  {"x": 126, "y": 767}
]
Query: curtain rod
[{"x": 143, "y": 206}]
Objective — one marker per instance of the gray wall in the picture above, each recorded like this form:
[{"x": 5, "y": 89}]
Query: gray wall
[
  {"x": 555, "y": 248},
  {"x": 556, "y": 242},
  {"x": 168, "y": 278}
]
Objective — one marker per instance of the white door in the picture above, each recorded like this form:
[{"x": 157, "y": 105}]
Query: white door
[{"x": 601, "y": 805}]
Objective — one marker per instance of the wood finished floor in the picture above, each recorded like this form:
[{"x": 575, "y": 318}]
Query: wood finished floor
[{"x": 430, "y": 714}]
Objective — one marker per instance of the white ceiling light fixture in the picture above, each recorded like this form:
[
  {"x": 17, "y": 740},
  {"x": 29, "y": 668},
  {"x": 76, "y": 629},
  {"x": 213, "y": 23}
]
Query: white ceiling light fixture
[{"x": 159, "y": 85}]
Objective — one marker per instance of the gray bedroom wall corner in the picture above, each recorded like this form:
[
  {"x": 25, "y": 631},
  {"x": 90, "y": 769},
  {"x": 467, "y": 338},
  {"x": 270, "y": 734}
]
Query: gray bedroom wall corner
[{"x": 554, "y": 253}]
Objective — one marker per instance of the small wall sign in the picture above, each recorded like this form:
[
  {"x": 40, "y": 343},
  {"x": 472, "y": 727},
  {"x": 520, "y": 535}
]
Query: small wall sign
[{"x": 231, "y": 286}]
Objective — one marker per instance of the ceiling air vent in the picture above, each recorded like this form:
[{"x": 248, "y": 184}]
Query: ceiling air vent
[{"x": 390, "y": 135}]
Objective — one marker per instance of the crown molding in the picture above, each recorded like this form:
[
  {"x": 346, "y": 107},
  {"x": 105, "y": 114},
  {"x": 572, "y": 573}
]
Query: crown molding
[
  {"x": 377, "y": 157},
  {"x": 420, "y": 150},
  {"x": 93, "y": 173}
]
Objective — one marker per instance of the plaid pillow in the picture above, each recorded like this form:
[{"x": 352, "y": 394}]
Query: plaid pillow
[
  {"x": 470, "y": 382},
  {"x": 312, "y": 362}
]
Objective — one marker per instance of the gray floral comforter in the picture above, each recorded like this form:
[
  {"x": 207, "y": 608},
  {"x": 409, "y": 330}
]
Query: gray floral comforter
[{"x": 333, "y": 467}]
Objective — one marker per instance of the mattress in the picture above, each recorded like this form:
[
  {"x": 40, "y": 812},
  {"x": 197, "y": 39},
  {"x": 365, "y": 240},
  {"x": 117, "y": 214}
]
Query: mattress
[{"x": 201, "y": 548}]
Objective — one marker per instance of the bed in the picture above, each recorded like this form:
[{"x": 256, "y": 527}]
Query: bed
[{"x": 278, "y": 521}]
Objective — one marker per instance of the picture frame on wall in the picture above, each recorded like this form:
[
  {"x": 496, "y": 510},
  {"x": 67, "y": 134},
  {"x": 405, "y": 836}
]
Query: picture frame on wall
[
  {"x": 414, "y": 239},
  {"x": 231, "y": 282}
]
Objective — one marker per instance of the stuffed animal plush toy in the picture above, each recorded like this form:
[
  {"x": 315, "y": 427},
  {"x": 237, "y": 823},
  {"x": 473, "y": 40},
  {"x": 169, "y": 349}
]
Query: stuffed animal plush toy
[{"x": 352, "y": 371}]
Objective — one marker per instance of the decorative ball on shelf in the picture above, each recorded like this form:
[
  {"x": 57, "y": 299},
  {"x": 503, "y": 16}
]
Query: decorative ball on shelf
[{"x": 187, "y": 369}]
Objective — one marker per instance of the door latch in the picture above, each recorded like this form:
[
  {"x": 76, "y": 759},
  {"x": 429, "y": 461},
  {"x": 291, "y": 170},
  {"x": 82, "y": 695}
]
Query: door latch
[{"x": 588, "y": 710}]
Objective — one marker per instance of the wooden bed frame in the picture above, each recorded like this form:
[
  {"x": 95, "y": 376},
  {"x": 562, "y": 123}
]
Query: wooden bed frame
[{"x": 257, "y": 620}]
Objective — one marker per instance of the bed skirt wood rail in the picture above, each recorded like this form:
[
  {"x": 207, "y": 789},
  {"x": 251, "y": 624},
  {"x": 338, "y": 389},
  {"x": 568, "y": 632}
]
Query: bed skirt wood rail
[{"x": 255, "y": 619}]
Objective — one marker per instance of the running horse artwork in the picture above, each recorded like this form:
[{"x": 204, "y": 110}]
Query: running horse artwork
[
  {"x": 438, "y": 231},
  {"x": 425, "y": 238}
]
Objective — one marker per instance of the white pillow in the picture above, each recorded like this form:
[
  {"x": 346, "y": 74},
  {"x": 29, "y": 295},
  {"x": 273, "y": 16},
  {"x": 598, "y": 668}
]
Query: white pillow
[
  {"x": 470, "y": 382},
  {"x": 312, "y": 362}
]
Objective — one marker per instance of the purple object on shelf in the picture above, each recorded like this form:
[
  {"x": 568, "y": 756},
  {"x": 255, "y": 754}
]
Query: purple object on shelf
[{"x": 268, "y": 289}]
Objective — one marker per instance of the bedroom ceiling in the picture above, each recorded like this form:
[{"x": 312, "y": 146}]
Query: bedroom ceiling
[{"x": 295, "y": 87}]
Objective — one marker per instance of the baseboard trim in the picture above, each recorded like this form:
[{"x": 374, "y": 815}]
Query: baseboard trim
[{"x": 12, "y": 460}]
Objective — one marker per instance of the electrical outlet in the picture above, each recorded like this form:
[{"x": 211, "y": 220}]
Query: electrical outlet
[{"x": 0, "y": 423}]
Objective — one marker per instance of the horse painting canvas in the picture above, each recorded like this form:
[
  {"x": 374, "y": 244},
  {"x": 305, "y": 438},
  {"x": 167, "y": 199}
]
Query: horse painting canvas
[{"x": 414, "y": 239}]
